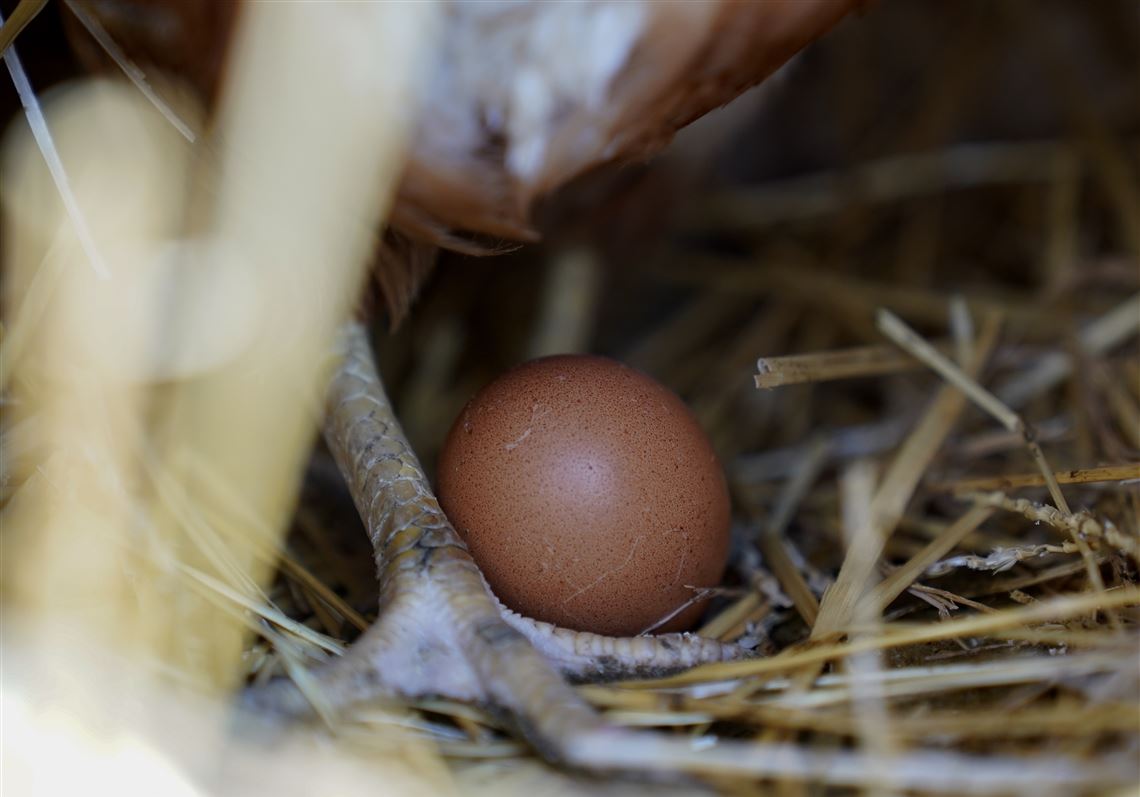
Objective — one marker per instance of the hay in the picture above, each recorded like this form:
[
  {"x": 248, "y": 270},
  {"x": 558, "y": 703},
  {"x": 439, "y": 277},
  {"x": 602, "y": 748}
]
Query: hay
[{"x": 919, "y": 365}]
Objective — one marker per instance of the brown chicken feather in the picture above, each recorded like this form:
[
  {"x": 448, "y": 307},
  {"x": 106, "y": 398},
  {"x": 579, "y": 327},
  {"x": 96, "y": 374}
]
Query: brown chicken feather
[{"x": 524, "y": 96}]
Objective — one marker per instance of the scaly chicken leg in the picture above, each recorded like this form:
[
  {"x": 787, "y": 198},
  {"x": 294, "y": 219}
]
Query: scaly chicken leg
[{"x": 440, "y": 631}]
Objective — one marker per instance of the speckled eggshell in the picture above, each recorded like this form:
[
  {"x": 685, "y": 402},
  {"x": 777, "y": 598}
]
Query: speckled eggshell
[{"x": 588, "y": 495}]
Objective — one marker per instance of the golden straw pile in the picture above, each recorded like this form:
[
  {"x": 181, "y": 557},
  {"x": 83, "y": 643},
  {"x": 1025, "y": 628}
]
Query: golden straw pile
[{"x": 916, "y": 348}]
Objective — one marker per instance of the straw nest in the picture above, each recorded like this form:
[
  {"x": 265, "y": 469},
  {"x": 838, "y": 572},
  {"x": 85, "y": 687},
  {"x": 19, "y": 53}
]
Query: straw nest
[{"x": 911, "y": 330}]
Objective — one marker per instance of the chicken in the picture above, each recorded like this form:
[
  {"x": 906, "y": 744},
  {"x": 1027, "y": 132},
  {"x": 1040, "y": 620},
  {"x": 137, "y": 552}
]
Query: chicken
[{"x": 522, "y": 97}]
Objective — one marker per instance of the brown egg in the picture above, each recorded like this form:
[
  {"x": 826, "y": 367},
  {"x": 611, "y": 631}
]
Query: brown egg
[{"x": 588, "y": 495}]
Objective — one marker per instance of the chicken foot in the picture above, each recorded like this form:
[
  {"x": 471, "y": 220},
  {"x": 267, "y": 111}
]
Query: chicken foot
[{"x": 440, "y": 631}]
